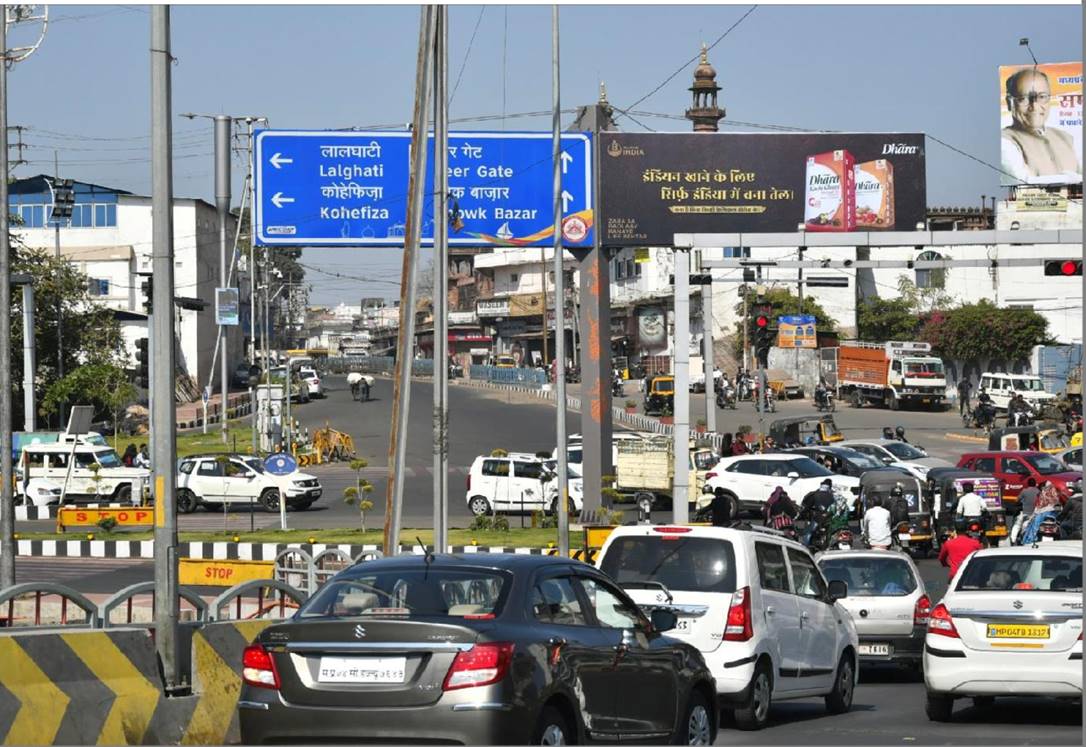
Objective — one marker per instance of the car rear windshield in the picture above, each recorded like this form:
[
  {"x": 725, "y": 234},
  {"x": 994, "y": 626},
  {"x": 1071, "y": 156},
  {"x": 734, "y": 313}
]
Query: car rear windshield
[
  {"x": 434, "y": 592},
  {"x": 701, "y": 564},
  {"x": 664, "y": 386},
  {"x": 903, "y": 451},
  {"x": 871, "y": 577},
  {"x": 1022, "y": 573}
]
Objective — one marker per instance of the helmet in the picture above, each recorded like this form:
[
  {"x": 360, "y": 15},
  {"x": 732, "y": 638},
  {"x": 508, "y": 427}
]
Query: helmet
[
  {"x": 827, "y": 483},
  {"x": 896, "y": 492},
  {"x": 899, "y": 431}
]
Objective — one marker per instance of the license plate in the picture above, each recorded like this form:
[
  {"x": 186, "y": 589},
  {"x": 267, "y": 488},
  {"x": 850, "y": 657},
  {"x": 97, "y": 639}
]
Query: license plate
[
  {"x": 875, "y": 649},
  {"x": 362, "y": 669},
  {"x": 1018, "y": 631},
  {"x": 684, "y": 625},
  {"x": 904, "y": 536}
]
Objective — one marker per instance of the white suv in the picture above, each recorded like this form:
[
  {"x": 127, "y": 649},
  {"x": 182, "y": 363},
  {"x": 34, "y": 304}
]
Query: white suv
[
  {"x": 1002, "y": 386},
  {"x": 750, "y": 479},
  {"x": 517, "y": 482},
  {"x": 217, "y": 479},
  {"x": 1009, "y": 625},
  {"x": 754, "y": 604}
]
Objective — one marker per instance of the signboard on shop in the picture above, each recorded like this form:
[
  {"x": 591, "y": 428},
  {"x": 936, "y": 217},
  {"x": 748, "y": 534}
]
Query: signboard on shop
[
  {"x": 492, "y": 307},
  {"x": 658, "y": 184}
]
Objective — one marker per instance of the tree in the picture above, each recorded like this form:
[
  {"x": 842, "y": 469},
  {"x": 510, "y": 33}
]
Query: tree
[
  {"x": 784, "y": 303},
  {"x": 101, "y": 385},
  {"x": 882, "y": 319},
  {"x": 982, "y": 331},
  {"x": 357, "y": 492},
  {"x": 89, "y": 331}
]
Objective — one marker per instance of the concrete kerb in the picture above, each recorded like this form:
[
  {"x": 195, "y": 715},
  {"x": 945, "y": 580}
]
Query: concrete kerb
[{"x": 965, "y": 438}]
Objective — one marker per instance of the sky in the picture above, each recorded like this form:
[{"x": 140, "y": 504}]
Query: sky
[{"x": 85, "y": 92}]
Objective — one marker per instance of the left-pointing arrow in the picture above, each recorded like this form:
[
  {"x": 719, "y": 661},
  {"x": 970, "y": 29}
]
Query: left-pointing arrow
[
  {"x": 278, "y": 200},
  {"x": 277, "y": 160}
]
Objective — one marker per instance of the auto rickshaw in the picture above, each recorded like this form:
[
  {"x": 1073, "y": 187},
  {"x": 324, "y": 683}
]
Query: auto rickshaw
[
  {"x": 944, "y": 485},
  {"x": 660, "y": 396},
  {"x": 1028, "y": 438},
  {"x": 805, "y": 430},
  {"x": 917, "y": 534}
]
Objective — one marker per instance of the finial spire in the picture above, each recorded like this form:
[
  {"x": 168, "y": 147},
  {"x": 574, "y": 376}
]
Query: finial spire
[
  {"x": 603, "y": 92},
  {"x": 704, "y": 53}
]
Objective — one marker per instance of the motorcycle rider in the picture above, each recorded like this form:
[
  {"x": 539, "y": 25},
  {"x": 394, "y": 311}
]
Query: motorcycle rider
[
  {"x": 970, "y": 505},
  {"x": 816, "y": 508},
  {"x": 875, "y": 527},
  {"x": 898, "y": 506},
  {"x": 820, "y": 392},
  {"x": 1070, "y": 518},
  {"x": 1019, "y": 412},
  {"x": 780, "y": 510},
  {"x": 985, "y": 411}
]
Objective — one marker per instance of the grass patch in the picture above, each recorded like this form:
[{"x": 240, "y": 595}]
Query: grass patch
[
  {"x": 199, "y": 442},
  {"x": 512, "y": 538}
]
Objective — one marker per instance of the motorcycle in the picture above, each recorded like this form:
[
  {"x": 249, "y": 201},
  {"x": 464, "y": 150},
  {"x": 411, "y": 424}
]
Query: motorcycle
[
  {"x": 617, "y": 388},
  {"x": 769, "y": 402},
  {"x": 1021, "y": 418},
  {"x": 725, "y": 397},
  {"x": 824, "y": 401},
  {"x": 746, "y": 387},
  {"x": 981, "y": 416},
  {"x": 1049, "y": 530},
  {"x": 842, "y": 540}
]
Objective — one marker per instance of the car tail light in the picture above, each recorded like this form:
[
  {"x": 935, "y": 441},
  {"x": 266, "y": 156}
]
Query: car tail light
[
  {"x": 739, "y": 626},
  {"x": 941, "y": 623},
  {"x": 482, "y": 664},
  {"x": 258, "y": 668},
  {"x": 671, "y": 530},
  {"x": 922, "y": 610}
]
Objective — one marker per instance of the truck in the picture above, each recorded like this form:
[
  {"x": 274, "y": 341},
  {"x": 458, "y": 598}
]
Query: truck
[
  {"x": 890, "y": 374},
  {"x": 645, "y": 473}
]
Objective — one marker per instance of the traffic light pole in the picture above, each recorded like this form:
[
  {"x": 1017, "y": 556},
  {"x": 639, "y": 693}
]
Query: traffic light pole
[{"x": 680, "y": 513}]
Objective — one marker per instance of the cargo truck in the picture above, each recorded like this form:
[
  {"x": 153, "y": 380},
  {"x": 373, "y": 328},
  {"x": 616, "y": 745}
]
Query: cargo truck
[
  {"x": 891, "y": 374},
  {"x": 645, "y": 473}
]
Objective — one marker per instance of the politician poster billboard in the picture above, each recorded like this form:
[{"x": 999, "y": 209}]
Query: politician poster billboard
[
  {"x": 1041, "y": 123},
  {"x": 654, "y": 185}
]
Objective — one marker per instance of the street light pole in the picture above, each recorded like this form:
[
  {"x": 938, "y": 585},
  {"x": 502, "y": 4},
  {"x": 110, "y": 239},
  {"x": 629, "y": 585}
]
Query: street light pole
[
  {"x": 440, "y": 294},
  {"x": 7, "y": 503},
  {"x": 222, "y": 203},
  {"x": 559, "y": 295}
]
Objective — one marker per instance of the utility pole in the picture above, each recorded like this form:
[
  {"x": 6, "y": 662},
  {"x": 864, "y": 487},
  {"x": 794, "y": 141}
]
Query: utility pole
[
  {"x": 707, "y": 353},
  {"x": 397, "y": 448},
  {"x": 163, "y": 415},
  {"x": 441, "y": 270},
  {"x": 222, "y": 202},
  {"x": 681, "y": 430},
  {"x": 7, "y": 503},
  {"x": 28, "y": 354},
  {"x": 60, "y": 308},
  {"x": 559, "y": 294}
]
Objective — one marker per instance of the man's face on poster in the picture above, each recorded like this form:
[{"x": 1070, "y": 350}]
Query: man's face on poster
[{"x": 1028, "y": 102}]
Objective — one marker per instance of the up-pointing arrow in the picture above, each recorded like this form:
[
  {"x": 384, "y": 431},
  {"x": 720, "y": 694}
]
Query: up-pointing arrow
[
  {"x": 278, "y": 200},
  {"x": 567, "y": 159},
  {"x": 277, "y": 160},
  {"x": 566, "y": 199}
]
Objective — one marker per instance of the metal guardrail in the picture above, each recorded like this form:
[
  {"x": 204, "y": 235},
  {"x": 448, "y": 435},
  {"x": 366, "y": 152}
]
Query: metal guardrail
[
  {"x": 126, "y": 596},
  {"x": 530, "y": 377},
  {"x": 379, "y": 364},
  {"x": 13, "y": 595},
  {"x": 267, "y": 600}
]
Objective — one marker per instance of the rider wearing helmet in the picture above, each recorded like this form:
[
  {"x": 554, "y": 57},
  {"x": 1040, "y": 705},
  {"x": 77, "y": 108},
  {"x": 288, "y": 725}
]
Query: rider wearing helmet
[
  {"x": 899, "y": 434},
  {"x": 898, "y": 506}
]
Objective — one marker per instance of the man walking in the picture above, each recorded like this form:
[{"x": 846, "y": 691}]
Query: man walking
[{"x": 965, "y": 389}]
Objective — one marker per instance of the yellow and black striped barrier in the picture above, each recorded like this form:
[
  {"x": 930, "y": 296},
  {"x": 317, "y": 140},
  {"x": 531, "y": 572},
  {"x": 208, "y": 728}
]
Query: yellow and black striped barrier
[{"x": 584, "y": 555}]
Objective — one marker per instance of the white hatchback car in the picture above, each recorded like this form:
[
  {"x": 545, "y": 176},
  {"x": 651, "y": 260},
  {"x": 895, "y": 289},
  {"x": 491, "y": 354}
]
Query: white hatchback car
[
  {"x": 753, "y": 602},
  {"x": 312, "y": 381},
  {"x": 887, "y": 601},
  {"x": 894, "y": 453},
  {"x": 751, "y": 478},
  {"x": 1009, "y": 625},
  {"x": 517, "y": 483}
]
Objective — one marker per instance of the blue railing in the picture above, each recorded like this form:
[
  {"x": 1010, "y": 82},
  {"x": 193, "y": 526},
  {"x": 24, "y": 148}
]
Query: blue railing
[{"x": 532, "y": 377}]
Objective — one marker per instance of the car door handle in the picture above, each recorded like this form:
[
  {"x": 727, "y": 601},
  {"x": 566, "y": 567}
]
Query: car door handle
[
  {"x": 770, "y": 611},
  {"x": 803, "y": 615}
]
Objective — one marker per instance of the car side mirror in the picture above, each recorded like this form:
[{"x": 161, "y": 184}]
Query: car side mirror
[
  {"x": 837, "y": 590},
  {"x": 663, "y": 620},
  {"x": 793, "y": 476}
]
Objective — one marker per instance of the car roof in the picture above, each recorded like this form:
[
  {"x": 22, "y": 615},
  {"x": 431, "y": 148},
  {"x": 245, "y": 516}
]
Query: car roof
[
  {"x": 800, "y": 419},
  {"x": 213, "y": 455},
  {"x": 865, "y": 555},
  {"x": 483, "y": 561},
  {"x": 1069, "y": 548},
  {"x": 1017, "y": 453},
  {"x": 1001, "y": 375},
  {"x": 876, "y": 441},
  {"x": 66, "y": 446},
  {"x": 703, "y": 530},
  {"x": 771, "y": 456}
]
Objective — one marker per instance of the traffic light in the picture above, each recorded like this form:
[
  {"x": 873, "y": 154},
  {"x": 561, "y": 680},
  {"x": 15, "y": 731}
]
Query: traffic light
[
  {"x": 143, "y": 360},
  {"x": 1066, "y": 268},
  {"x": 149, "y": 295},
  {"x": 763, "y": 337}
]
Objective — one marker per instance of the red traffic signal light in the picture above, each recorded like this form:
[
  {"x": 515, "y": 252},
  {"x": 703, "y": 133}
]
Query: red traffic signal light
[
  {"x": 761, "y": 322},
  {"x": 1064, "y": 267}
]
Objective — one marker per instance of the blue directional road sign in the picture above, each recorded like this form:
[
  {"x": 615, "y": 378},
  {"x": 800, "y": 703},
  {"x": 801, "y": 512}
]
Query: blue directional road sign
[{"x": 320, "y": 188}]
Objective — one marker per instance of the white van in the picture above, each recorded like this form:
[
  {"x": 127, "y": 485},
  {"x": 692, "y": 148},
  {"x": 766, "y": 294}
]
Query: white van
[
  {"x": 116, "y": 483},
  {"x": 1002, "y": 386},
  {"x": 515, "y": 483}
]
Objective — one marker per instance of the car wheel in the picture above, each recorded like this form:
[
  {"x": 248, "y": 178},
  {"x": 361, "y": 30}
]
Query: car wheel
[
  {"x": 479, "y": 506},
  {"x": 839, "y": 699},
  {"x": 984, "y": 701},
  {"x": 269, "y": 500},
  {"x": 895, "y": 403},
  {"x": 938, "y": 707},
  {"x": 696, "y": 726},
  {"x": 186, "y": 501},
  {"x": 123, "y": 494},
  {"x": 552, "y": 728},
  {"x": 754, "y": 714}
]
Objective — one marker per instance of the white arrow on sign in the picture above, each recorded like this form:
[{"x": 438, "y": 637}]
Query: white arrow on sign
[
  {"x": 567, "y": 159},
  {"x": 277, "y": 160},
  {"x": 566, "y": 199},
  {"x": 278, "y": 200}
]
